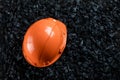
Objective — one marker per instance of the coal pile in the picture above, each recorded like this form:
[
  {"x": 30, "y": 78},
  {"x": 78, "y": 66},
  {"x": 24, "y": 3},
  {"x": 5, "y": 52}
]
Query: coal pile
[{"x": 93, "y": 45}]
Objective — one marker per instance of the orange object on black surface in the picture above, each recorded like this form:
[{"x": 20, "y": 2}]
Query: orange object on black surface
[{"x": 44, "y": 42}]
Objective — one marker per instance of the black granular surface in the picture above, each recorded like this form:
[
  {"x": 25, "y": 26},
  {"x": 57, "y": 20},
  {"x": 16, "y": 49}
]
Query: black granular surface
[{"x": 93, "y": 44}]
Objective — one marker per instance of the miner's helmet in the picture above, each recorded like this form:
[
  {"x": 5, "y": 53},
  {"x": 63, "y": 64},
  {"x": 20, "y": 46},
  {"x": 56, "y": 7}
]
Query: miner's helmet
[{"x": 44, "y": 42}]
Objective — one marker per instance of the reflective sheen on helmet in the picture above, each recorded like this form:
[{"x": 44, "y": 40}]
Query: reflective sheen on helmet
[{"x": 44, "y": 42}]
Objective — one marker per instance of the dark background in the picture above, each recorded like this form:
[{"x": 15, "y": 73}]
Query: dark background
[{"x": 93, "y": 45}]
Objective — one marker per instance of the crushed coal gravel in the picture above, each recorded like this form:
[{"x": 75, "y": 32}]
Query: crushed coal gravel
[{"x": 93, "y": 44}]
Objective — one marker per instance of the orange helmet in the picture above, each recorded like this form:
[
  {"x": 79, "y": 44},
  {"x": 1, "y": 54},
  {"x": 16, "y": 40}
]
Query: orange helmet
[{"x": 44, "y": 42}]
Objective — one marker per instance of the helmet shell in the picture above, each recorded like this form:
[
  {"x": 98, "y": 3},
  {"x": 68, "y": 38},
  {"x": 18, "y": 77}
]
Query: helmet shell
[{"x": 44, "y": 42}]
